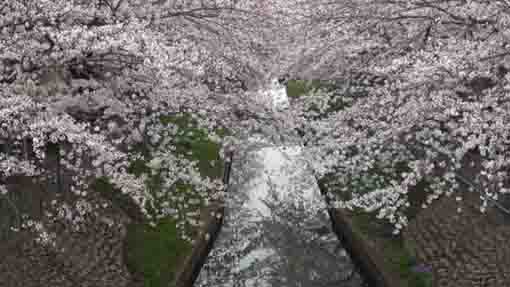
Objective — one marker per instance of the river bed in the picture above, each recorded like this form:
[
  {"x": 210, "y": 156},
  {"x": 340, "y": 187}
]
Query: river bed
[{"x": 276, "y": 229}]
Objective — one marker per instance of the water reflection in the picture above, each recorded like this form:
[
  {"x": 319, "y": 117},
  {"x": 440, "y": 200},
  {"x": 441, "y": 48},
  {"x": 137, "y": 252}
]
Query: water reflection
[{"x": 276, "y": 230}]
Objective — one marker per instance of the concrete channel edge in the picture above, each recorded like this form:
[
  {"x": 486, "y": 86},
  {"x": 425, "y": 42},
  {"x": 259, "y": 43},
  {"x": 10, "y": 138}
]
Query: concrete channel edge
[{"x": 194, "y": 262}]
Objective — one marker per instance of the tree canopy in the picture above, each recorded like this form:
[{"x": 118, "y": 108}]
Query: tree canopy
[{"x": 99, "y": 78}]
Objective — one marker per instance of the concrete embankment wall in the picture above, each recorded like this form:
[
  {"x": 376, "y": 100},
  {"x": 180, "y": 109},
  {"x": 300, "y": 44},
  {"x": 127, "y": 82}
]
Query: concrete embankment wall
[
  {"x": 366, "y": 258},
  {"x": 194, "y": 262}
]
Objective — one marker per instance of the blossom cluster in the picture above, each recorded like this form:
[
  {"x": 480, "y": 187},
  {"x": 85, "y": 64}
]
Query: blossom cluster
[
  {"x": 436, "y": 125},
  {"x": 82, "y": 82}
]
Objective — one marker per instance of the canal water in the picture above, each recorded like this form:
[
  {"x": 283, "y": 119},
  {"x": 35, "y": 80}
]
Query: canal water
[{"x": 276, "y": 230}]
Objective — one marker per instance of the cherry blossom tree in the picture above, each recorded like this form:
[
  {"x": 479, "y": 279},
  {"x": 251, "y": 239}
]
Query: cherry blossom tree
[
  {"x": 435, "y": 119},
  {"x": 82, "y": 83}
]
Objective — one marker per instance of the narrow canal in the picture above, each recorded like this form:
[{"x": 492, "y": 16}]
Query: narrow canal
[{"x": 276, "y": 229}]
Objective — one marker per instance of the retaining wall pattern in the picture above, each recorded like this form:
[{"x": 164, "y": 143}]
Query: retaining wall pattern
[{"x": 466, "y": 249}]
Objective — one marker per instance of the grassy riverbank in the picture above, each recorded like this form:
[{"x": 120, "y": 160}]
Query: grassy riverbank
[{"x": 155, "y": 254}]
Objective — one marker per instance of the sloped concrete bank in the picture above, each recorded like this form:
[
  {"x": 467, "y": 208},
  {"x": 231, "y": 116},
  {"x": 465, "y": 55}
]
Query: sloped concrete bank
[
  {"x": 364, "y": 255},
  {"x": 192, "y": 265}
]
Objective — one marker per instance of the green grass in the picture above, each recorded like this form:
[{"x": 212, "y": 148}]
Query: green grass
[
  {"x": 196, "y": 140},
  {"x": 298, "y": 88},
  {"x": 157, "y": 252},
  {"x": 399, "y": 255}
]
